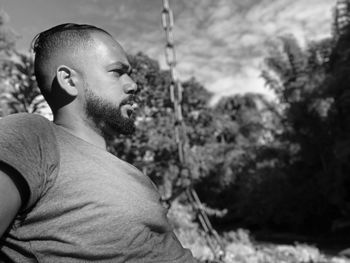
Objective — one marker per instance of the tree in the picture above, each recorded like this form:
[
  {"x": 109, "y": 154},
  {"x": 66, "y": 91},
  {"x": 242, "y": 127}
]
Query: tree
[
  {"x": 339, "y": 70},
  {"x": 312, "y": 89},
  {"x": 153, "y": 148},
  {"x": 243, "y": 125},
  {"x": 19, "y": 90},
  {"x": 7, "y": 36}
]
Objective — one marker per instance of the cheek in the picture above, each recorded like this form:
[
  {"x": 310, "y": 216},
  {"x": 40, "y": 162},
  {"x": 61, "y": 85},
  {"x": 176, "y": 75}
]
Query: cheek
[
  {"x": 101, "y": 84},
  {"x": 113, "y": 88},
  {"x": 105, "y": 85},
  {"x": 112, "y": 92}
]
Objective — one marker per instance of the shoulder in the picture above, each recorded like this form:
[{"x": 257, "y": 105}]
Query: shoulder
[
  {"x": 23, "y": 119},
  {"x": 24, "y": 123},
  {"x": 27, "y": 131},
  {"x": 28, "y": 144}
]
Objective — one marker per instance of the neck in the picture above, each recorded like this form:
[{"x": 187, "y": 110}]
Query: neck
[{"x": 79, "y": 126}]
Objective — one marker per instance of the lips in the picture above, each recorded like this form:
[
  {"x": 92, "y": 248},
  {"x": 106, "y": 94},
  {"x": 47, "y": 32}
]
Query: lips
[
  {"x": 129, "y": 106},
  {"x": 128, "y": 110}
]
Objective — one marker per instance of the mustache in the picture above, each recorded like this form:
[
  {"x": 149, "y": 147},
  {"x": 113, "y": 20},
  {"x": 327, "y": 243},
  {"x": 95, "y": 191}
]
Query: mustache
[{"x": 131, "y": 100}]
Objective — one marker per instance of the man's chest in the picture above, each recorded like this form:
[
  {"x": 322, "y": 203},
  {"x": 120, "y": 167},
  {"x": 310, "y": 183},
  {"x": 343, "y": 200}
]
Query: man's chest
[{"x": 99, "y": 203}]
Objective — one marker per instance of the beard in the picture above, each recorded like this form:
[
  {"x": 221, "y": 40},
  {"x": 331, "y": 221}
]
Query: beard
[{"x": 108, "y": 117}]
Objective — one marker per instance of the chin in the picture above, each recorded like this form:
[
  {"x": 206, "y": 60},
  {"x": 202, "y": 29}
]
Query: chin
[{"x": 110, "y": 129}]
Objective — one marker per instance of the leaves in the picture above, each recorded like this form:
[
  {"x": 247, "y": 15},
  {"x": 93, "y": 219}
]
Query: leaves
[{"x": 21, "y": 93}]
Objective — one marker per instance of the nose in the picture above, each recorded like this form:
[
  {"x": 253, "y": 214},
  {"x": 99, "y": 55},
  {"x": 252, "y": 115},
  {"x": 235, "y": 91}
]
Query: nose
[{"x": 129, "y": 86}]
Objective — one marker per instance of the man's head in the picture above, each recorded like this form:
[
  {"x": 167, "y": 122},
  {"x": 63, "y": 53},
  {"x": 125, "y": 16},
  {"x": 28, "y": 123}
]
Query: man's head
[{"x": 83, "y": 69}]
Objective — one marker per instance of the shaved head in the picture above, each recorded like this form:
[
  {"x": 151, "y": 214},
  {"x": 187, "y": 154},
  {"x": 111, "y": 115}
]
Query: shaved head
[{"x": 62, "y": 44}]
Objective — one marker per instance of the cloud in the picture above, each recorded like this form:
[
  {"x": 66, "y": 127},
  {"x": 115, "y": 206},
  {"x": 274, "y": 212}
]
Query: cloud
[
  {"x": 135, "y": 24},
  {"x": 225, "y": 41},
  {"x": 112, "y": 11},
  {"x": 221, "y": 43}
]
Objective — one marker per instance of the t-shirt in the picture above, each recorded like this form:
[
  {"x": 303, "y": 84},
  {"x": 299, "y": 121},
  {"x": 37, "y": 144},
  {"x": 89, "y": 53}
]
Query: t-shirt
[{"x": 84, "y": 205}]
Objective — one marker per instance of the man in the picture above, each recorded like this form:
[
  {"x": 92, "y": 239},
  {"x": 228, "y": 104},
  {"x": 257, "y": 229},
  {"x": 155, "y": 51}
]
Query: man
[{"x": 63, "y": 197}]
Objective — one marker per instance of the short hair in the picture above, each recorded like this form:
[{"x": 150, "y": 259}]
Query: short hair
[{"x": 47, "y": 44}]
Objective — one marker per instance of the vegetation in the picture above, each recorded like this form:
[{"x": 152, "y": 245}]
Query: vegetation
[{"x": 262, "y": 165}]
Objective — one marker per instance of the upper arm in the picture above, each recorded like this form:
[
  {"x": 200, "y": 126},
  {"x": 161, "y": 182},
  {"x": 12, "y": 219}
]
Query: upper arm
[
  {"x": 10, "y": 198},
  {"x": 29, "y": 148}
]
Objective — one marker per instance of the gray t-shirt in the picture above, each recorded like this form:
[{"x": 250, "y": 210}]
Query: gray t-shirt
[{"x": 84, "y": 205}]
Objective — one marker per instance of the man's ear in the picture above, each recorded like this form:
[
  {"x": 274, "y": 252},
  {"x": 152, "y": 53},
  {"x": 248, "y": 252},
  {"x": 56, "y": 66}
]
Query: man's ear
[{"x": 67, "y": 79}]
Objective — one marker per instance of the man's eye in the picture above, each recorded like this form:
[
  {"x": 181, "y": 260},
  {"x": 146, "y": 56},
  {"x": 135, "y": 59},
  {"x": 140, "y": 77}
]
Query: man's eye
[{"x": 117, "y": 72}]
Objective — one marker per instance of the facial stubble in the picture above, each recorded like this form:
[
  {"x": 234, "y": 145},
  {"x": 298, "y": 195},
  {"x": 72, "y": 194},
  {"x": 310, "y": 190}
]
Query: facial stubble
[{"x": 106, "y": 116}]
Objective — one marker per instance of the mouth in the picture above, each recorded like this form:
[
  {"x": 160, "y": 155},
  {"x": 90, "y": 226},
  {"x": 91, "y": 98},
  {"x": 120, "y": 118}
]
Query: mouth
[
  {"x": 129, "y": 106},
  {"x": 128, "y": 110}
]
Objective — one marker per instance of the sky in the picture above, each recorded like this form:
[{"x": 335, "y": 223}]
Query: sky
[{"x": 221, "y": 43}]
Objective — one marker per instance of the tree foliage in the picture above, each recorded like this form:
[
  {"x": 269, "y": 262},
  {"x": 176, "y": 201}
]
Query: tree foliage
[
  {"x": 308, "y": 186},
  {"x": 290, "y": 170},
  {"x": 19, "y": 90},
  {"x": 153, "y": 147}
]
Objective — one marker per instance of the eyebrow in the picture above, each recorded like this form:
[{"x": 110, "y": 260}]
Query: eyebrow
[{"x": 121, "y": 66}]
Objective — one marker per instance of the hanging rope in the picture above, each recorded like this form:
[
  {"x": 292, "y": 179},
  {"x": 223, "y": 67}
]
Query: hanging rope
[{"x": 211, "y": 235}]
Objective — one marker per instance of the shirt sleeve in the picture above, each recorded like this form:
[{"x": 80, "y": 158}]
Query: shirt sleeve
[{"x": 28, "y": 145}]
